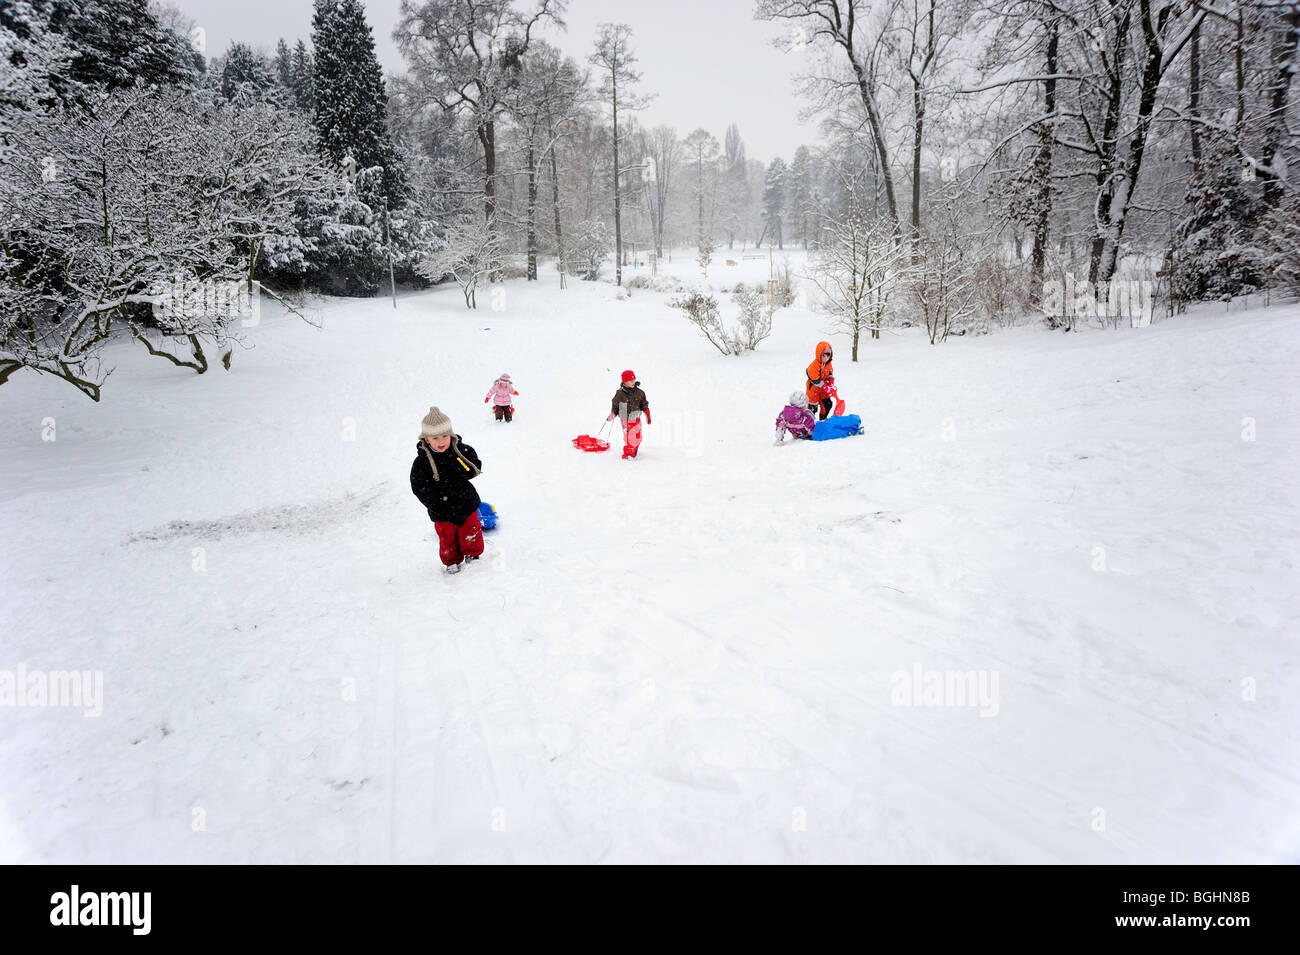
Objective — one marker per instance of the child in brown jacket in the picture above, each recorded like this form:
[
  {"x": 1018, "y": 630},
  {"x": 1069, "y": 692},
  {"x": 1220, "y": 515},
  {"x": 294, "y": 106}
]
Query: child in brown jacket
[{"x": 628, "y": 404}]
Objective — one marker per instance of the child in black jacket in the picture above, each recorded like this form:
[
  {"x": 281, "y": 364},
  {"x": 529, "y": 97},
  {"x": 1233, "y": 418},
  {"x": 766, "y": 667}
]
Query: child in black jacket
[{"x": 440, "y": 478}]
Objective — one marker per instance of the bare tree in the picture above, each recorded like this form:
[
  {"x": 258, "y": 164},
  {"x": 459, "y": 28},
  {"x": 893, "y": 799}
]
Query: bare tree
[
  {"x": 542, "y": 104},
  {"x": 857, "y": 265},
  {"x": 662, "y": 149},
  {"x": 701, "y": 149},
  {"x": 467, "y": 55},
  {"x": 861, "y": 31},
  {"x": 614, "y": 57}
]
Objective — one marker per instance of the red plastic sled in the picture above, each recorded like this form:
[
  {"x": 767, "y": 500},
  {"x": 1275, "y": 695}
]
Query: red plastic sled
[
  {"x": 585, "y": 442},
  {"x": 839, "y": 402}
]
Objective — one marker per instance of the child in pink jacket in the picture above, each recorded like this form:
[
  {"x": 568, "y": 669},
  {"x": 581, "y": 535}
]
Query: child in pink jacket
[{"x": 502, "y": 391}]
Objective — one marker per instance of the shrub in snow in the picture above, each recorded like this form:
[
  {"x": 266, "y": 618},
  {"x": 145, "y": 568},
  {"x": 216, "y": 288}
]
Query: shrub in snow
[
  {"x": 857, "y": 269},
  {"x": 705, "y": 254},
  {"x": 942, "y": 287},
  {"x": 590, "y": 249},
  {"x": 786, "y": 287},
  {"x": 471, "y": 253},
  {"x": 755, "y": 320}
]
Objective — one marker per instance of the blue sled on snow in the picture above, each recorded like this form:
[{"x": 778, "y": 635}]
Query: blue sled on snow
[
  {"x": 487, "y": 516},
  {"x": 837, "y": 426}
]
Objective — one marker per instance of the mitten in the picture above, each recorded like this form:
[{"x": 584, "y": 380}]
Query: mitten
[
  {"x": 647, "y": 416},
  {"x": 485, "y": 400},
  {"x": 610, "y": 418}
]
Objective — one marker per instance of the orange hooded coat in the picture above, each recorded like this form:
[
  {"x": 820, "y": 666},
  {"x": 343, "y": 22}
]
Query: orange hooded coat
[{"x": 818, "y": 373}]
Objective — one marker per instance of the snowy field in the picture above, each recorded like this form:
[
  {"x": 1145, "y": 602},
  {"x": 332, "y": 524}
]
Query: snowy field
[{"x": 704, "y": 655}]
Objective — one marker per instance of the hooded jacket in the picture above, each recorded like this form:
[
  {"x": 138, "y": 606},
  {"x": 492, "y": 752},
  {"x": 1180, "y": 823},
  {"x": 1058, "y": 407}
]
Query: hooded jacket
[
  {"x": 441, "y": 480},
  {"x": 796, "y": 420},
  {"x": 502, "y": 391},
  {"x": 818, "y": 373}
]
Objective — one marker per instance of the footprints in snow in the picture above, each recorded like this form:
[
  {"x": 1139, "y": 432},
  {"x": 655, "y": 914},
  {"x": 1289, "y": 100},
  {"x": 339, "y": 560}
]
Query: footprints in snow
[{"x": 283, "y": 518}]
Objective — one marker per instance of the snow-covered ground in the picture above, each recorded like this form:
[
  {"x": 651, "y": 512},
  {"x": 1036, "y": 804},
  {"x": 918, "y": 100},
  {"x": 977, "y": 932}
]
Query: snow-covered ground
[{"x": 703, "y": 655}]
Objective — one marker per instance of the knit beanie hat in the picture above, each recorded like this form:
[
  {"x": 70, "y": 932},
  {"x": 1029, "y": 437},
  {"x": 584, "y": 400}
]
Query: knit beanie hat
[
  {"x": 629, "y": 375},
  {"x": 504, "y": 377},
  {"x": 798, "y": 399},
  {"x": 435, "y": 425}
]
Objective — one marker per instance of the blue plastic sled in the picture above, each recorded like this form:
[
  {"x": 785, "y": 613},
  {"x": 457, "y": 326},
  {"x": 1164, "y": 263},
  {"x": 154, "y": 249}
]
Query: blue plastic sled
[
  {"x": 842, "y": 426},
  {"x": 487, "y": 515}
]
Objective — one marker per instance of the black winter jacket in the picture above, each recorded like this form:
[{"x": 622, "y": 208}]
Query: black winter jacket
[{"x": 449, "y": 497}]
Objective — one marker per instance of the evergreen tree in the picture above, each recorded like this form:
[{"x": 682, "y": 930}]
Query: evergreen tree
[
  {"x": 301, "y": 79},
  {"x": 350, "y": 97},
  {"x": 774, "y": 200},
  {"x": 117, "y": 44},
  {"x": 244, "y": 72},
  {"x": 1219, "y": 254},
  {"x": 800, "y": 190},
  {"x": 284, "y": 65}
]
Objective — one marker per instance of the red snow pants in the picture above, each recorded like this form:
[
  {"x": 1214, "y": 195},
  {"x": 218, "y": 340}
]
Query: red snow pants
[
  {"x": 456, "y": 542},
  {"x": 631, "y": 437}
]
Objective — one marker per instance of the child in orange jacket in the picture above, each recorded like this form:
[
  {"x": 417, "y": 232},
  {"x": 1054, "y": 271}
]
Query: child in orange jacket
[{"x": 821, "y": 378}]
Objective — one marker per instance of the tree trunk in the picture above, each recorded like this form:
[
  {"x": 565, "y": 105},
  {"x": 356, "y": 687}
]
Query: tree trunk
[
  {"x": 1284, "y": 67},
  {"x": 1106, "y": 162},
  {"x": 699, "y": 189},
  {"x": 1241, "y": 71},
  {"x": 1043, "y": 163},
  {"x": 1126, "y": 184},
  {"x": 1194, "y": 96},
  {"x": 532, "y": 213},
  {"x": 618, "y": 206},
  {"x": 878, "y": 136},
  {"x": 555, "y": 198},
  {"x": 487, "y": 138},
  {"x": 918, "y": 127}
]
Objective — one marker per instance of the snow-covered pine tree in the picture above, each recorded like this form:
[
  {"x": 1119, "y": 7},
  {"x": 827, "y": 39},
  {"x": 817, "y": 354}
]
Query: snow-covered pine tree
[
  {"x": 118, "y": 43},
  {"x": 245, "y": 73},
  {"x": 799, "y": 195},
  {"x": 774, "y": 201},
  {"x": 1217, "y": 254},
  {"x": 350, "y": 96},
  {"x": 301, "y": 79},
  {"x": 284, "y": 65}
]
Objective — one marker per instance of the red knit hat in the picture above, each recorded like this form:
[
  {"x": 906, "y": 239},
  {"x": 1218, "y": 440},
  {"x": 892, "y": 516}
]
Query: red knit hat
[{"x": 629, "y": 375}]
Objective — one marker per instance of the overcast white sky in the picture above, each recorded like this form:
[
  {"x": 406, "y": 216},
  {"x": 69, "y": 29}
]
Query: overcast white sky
[{"x": 709, "y": 61}]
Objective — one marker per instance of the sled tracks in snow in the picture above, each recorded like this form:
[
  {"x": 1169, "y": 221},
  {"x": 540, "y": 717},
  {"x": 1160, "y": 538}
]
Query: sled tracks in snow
[{"x": 298, "y": 519}]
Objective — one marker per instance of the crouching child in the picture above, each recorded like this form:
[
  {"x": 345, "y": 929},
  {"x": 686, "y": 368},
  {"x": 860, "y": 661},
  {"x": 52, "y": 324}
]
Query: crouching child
[{"x": 795, "y": 419}]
